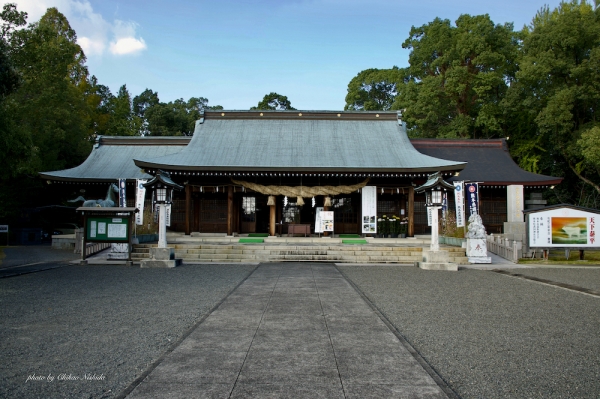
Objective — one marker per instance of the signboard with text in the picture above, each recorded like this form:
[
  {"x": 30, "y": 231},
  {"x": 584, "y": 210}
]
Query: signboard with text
[
  {"x": 107, "y": 229},
  {"x": 563, "y": 228}
]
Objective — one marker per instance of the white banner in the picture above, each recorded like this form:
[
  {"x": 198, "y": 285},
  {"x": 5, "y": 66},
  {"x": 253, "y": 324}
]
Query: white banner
[
  {"x": 459, "y": 200},
  {"x": 564, "y": 227},
  {"x": 168, "y": 214},
  {"x": 318, "y": 225},
  {"x": 369, "y": 209},
  {"x": 139, "y": 201},
  {"x": 429, "y": 217}
]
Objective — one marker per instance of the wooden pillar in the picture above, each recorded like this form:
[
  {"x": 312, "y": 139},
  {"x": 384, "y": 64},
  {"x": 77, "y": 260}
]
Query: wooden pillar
[
  {"x": 411, "y": 211},
  {"x": 272, "y": 229},
  {"x": 196, "y": 202},
  {"x": 230, "y": 210},
  {"x": 188, "y": 209}
]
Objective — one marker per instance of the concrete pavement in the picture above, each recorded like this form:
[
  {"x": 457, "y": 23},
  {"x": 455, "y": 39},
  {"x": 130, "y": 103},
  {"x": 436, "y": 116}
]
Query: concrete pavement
[{"x": 291, "y": 331}]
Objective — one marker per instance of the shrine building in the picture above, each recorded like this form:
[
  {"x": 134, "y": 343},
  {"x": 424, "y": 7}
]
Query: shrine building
[{"x": 260, "y": 171}]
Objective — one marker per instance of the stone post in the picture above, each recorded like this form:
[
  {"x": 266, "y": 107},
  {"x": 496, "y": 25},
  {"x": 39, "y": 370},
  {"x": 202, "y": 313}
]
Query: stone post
[{"x": 162, "y": 226}]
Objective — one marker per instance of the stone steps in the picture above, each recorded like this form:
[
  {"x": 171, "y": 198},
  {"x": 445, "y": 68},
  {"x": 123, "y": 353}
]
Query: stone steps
[{"x": 227, "y": 252}]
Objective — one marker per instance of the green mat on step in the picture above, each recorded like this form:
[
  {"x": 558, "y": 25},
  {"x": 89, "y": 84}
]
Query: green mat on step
[
  {"x": 349, "y": 236},
  {"x": 252, "y": 240},
  {"x": 258, "y": 234},
  {"x": 354, "y": 241}
]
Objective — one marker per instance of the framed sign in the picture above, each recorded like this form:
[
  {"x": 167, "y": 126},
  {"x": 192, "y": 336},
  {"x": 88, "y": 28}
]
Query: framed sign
[
  {"x": 562, "y": 227},
  {"x": 107, "y": 229}
]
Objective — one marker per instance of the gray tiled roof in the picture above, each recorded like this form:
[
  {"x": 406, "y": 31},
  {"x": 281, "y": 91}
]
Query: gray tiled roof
[
  {"x": 488, "y": 161},
  {"x": 112, "y": 158},
  {"x": 301, "y": 144}
]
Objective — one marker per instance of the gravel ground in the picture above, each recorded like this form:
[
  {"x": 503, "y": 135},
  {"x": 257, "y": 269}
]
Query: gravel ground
[
  {"x": 492, "y": 336},
  {"x": 26, "y": 254},
  {"x": 580, "y": 277},
  {"x": 112, "y": 321}
]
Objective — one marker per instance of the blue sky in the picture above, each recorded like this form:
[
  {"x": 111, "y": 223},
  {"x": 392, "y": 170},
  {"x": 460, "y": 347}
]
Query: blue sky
[{"x": 235, "y": 52}]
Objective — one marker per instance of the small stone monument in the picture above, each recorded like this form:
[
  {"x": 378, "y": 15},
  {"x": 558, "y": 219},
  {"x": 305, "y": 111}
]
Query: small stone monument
[{"x": 476, "y": 244}]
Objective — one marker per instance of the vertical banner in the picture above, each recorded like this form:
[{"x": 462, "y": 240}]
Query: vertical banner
[
  {"x": 122, "y": 197},
  {"x": 120, "y": 251},
  {"x": 140, "y": 196},
  {"x": 444, "y": 204},
  {"x": 429, "y": 217},
  {"x": 369, "y": 209},
  {"x": 318, "y": 224},
  {"x": 459, "y": 200},
  {"x": 168, "y": 214},
  {"x": 472, "y": 198}
]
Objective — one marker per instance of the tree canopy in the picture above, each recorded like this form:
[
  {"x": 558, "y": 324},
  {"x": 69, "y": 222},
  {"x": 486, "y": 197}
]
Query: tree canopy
[
  {"x": 375, "y": 89},
  {"x": 275, "y": 102}
]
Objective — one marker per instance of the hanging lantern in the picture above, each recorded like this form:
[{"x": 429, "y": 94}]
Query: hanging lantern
[
  {"x": 299, "y": 201},
  {"x": 271, "y": 200}
]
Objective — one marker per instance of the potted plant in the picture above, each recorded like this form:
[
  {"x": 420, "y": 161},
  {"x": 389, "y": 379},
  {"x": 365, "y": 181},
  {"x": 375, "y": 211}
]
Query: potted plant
[
  {"x": 403, "y": 228},
  {"x": 382, "y": 226},
  {"x": 394, "y": 224}
]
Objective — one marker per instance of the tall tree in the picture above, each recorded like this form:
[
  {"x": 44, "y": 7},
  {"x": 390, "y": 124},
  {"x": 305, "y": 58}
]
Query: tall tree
[
  {"x": 558, "y": 90},
  {"x": 15, "y": 142},
  {"x": 49, "y": 105},
  {"x": 275, "y": 102},
  {"x": 458, "y": 77},
  {"x": 375, "y": 89},
  {"x": 122, "y": 121}
]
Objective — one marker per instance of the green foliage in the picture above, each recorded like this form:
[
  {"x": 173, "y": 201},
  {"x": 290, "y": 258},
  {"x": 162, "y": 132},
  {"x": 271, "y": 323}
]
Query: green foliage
[
  {"x": 374, "y": 89},
  {"x": 275, "y": 102},
  {"x": 458, "y": 77},
  {"x": 558, "y": 90}
]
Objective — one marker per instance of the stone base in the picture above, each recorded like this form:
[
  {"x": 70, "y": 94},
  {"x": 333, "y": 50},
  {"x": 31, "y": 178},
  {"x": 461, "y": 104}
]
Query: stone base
[
  {"x": 154, "y": 263},
  {"x": 480, "y": 259},
  {"x": 161, "y": 257},
  {"x": 437, "y": 260},
  {"x": 453, "y": 267}
]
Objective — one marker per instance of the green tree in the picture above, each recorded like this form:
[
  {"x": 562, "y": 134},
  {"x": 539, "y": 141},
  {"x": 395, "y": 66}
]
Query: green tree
[
  {"x": 49, "y": 106},
  {"x": 375, "y": 89},
  {"x": 558, "y": 90},
  {"x": 458, "y": 77},
  {"x": 15, "y": 144},
  {"x": 275, "y": 102},
  {"x": 177, "y": 118},
  {"x": 122, "y": 120}
]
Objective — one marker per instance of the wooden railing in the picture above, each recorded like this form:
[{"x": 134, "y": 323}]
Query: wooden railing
[{"x": 505, "y": 248}]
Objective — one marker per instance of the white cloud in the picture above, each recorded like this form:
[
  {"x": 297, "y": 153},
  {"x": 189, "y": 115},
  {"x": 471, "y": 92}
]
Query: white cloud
[
  {"x": 94, "y": 33},
  {"x": 127, "y": 45}
]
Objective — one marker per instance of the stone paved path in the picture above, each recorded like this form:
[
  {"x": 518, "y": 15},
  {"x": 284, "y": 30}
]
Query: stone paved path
[{"x": 291, "y": 331}]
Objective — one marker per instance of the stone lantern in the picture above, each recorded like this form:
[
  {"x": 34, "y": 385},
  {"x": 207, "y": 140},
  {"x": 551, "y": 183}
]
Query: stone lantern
[
  {"x": 434, "y": 258},
  {"x": 162, "y": 191}
]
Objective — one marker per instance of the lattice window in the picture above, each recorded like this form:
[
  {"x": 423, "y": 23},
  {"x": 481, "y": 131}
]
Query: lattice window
[{"x": 344, "y": 211}]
